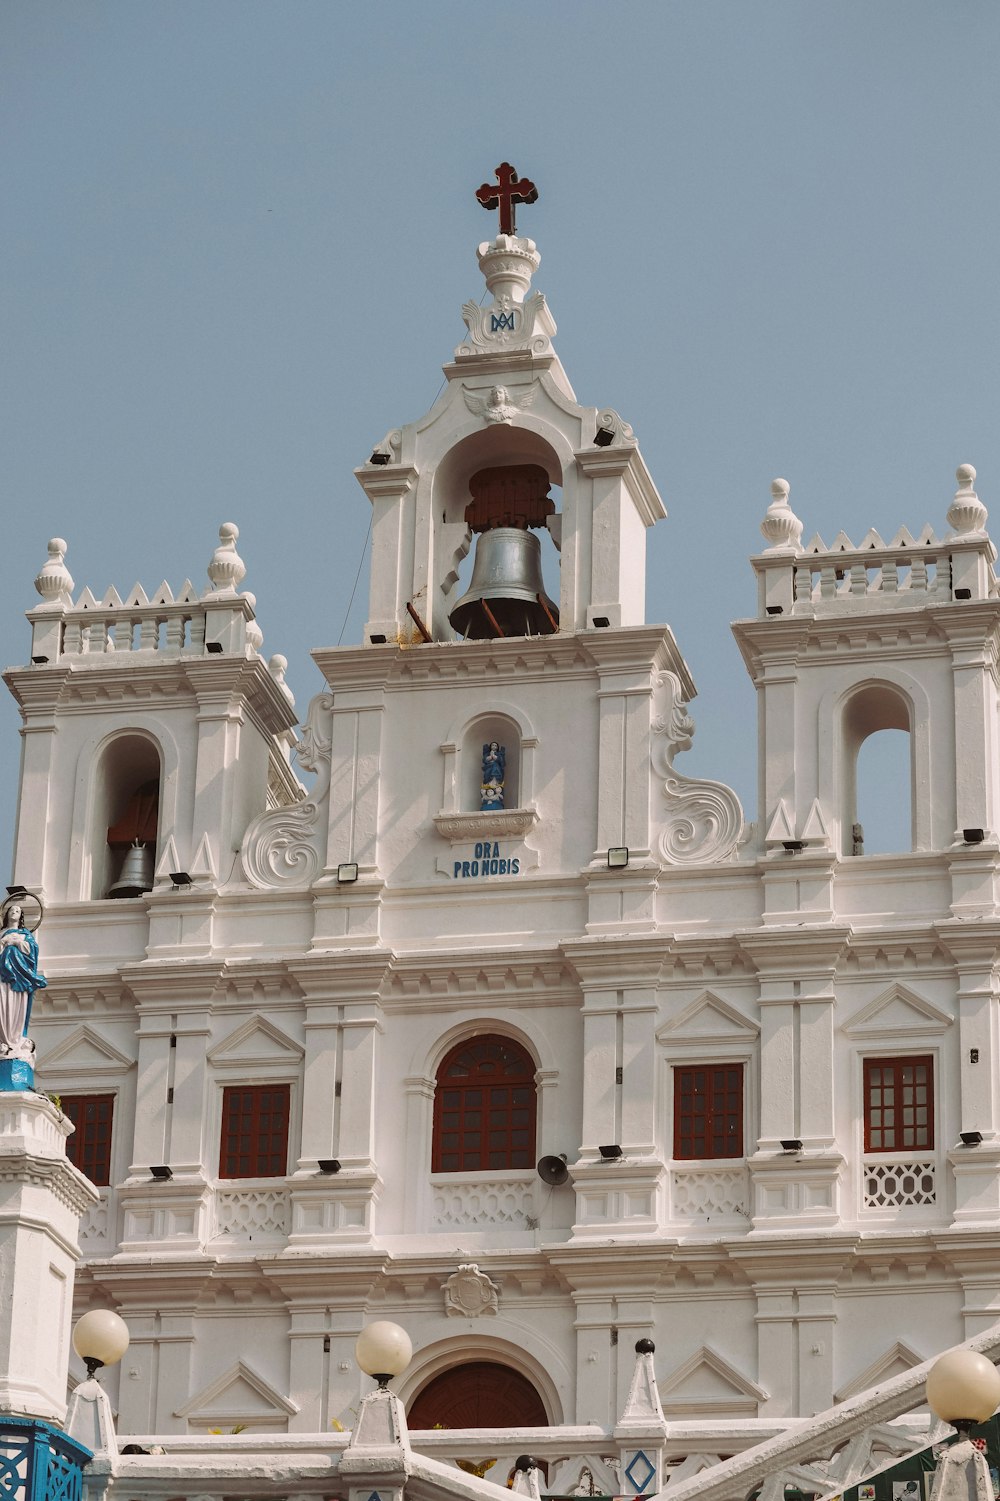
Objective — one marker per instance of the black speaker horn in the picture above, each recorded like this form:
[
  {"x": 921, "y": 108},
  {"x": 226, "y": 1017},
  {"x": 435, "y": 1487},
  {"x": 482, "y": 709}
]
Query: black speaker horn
[{"x": 553, "y": 1170}]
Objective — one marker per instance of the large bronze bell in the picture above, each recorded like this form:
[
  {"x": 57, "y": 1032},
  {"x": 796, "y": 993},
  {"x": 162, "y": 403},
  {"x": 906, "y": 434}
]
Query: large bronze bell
[
  {"x": 506, "y": 596},
  {"x": 136, "y": 874}
]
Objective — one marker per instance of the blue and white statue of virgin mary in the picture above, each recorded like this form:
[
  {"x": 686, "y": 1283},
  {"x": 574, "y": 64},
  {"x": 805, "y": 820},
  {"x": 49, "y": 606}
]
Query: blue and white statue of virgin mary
[{"x": 20, "y": 977}]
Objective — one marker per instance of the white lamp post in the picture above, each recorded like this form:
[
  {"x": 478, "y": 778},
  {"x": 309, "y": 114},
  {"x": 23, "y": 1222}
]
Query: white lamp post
[
  {"x": 963, "y": 1388},
  {"x": 100, "y": 1338},
  {"x": 383, "y": 1350}
]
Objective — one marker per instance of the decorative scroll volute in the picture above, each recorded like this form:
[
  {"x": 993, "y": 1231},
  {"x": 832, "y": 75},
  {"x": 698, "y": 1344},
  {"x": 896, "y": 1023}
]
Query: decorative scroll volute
[
  {"x": 286, "y": 846},
  {"x": 704, "y": 820}
]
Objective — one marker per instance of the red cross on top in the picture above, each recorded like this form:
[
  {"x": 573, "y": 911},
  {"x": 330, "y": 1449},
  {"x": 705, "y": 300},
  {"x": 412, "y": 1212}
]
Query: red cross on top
[{"x": 503, "y": 194}]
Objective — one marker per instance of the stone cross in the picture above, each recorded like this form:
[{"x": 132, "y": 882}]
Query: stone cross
[{"x": 507, "y": 191}]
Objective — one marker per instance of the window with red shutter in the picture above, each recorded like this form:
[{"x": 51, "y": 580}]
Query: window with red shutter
[
  {"x": 708, "y": 1110},
  {"x": 899, "y": 1104},
  {"x": 484, "y": 1108},
  {"x": 89, "y": 1147},
  {"x": 254, "y": 1131}
]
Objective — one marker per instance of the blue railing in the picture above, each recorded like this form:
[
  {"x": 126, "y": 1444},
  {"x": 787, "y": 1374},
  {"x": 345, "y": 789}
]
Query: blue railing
[{"x": 39, "y": 1462}]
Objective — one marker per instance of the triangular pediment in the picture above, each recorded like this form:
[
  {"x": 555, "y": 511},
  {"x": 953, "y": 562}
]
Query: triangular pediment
[
  {"x": 708, "y": 1019},
  {"x": 239, "y": 1395},
  {"x": 898, "y": 1012},
  {"x": 256, "y": 1041},
  {"x": 894, "y": 1362},
  {"x": 85, "y": 1051},
  {"x": 707, "y": 1383}
]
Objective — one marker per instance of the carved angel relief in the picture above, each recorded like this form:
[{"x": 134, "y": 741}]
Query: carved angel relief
[
  {"x": 499, "y": 404},
  {"x": 469, "y": 1293},
  {"x": 285, "y": 847},
  {"x": 704, "y": 820}
]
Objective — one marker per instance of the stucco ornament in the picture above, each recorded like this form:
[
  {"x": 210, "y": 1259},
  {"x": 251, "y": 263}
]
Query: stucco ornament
[
  {"x": 285, "y": 847},
  {"x": 469, "y": 1293},
  {"x": 20, "y": 977},
  {"x": 704, "y": 820},
  {"x": 499, "y": 404}
]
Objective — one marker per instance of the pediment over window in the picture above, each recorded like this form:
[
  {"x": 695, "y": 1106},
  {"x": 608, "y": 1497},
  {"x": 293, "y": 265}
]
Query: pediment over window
[
  {"x": 255, "y": 1041},
  {"x": 895, "y": 1361},
  {"x": 897, "y": 1012},
  {"x": 239, "y": 1395},
  {"x": 706, "y": 1383},
  {"x": 86, "y": 1052},
  {"x": 708, "y": 1018}
]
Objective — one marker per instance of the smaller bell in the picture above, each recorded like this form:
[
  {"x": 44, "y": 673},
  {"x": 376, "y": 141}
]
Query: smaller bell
[{"x": 136, "y": 875}]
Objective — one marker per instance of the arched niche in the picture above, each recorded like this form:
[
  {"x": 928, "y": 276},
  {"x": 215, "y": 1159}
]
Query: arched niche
[
  {"x": 126, "y": 790},
  {"x": 523, "y": 1349},
  {"x": 878, "y": 709},
  {"x": 486, "y": 730}
]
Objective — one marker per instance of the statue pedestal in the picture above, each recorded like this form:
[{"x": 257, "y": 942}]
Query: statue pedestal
[
  {"x": 16, "y": 1076},
  {"x": 42, "y": 1197}
]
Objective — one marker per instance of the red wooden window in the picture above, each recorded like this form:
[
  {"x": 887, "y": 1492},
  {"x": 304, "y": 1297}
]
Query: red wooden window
[
  {"x": 708, "y": 1110},
  {"x": 89, "y": 1148},
  {"x": 484, "y": 1108},
  {"x": 899, "y": 1104},
  {"x": 255, "y": 1131}
]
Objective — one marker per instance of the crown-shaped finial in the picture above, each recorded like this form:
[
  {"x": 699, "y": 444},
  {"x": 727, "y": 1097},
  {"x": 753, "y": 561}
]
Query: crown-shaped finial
[
  {"x": 55, "y": 582},
  {"x": 966, "y": 513},
  {"x": 781, "y": 528},
  {"x": 227, "y": 568}
]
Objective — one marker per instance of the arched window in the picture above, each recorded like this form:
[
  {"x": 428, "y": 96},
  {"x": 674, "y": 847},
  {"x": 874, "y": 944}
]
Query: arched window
[
  {"x": 484, "y": 1108},
  {"x": 878, "y": 795}
]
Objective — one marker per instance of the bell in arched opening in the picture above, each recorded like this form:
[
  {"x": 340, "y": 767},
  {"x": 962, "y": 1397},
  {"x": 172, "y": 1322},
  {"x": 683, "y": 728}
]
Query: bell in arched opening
[
  {"x": 507, "y": 596},
  {"x": 135, "y": 834},
  {"x": 136, "y": 875}
]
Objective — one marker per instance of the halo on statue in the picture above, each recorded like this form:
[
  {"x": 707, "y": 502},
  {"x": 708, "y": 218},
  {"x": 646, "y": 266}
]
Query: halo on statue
[{"x": 21, "y": 900}]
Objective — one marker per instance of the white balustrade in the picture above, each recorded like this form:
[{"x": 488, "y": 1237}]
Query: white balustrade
[
  {"x": 700, "y": 1195},
  {"x": 899, "y": 1182},
  {"x": 484, "y": 1199},
  {"x": 251, "y": 1213}
]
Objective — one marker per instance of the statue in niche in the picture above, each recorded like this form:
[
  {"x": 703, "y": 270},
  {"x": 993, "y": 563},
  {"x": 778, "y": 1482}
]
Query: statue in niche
[
  {"x": 494, "y": 763},
  {"x": 20, "y": 977}
]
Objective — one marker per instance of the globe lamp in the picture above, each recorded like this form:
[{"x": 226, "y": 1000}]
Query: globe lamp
[
  {"x": 100, "y": 1338},
  {"x": 963, "y": 1388},
  {"x": 383, "y": 1350}
]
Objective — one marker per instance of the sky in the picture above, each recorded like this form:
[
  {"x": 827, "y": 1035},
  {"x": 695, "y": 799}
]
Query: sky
[{"x": 237, "y": 237}]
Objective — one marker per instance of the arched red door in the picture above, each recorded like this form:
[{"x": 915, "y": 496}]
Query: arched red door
[{"x": 480, "y": 1394}]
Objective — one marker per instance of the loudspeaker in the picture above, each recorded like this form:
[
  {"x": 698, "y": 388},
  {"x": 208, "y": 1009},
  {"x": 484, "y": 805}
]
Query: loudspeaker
[{"x": 553, "y": 1170}]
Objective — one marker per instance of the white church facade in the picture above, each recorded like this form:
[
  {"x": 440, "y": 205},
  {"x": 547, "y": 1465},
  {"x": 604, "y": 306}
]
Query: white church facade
[{"x": 318, "y": 1024}]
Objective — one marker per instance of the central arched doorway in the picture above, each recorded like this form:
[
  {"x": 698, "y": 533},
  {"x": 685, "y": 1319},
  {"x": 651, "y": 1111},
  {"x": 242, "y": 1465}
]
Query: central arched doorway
[{"x": 479, "y": 1394}]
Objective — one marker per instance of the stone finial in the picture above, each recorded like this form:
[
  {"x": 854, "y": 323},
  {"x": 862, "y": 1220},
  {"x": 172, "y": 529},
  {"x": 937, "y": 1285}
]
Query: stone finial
[
  {"x": 55, "y": 582},
  {"x": 277, "y": 667},
  {"x": 227, "y": 569},
  {"x": 508, "y": 263},
  {"x": 254, "y": 634},
  {"x": 781, "y": 528},
  {"x": 966, "y": 513}
]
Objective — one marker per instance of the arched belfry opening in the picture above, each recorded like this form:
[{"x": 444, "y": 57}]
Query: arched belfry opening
[
  {"x": 878, "y": 792},
  {"x": 126, "y": 817},
  {"x": 506, "y": 596}
]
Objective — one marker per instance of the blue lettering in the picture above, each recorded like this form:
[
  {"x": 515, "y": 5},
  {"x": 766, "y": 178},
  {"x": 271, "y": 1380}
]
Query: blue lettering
[
  {"x": 504, "y": 866},
  {"x": 494, "y": 867},
  {"x": 479, "y": 851},
  {"x": 465, "y": 868},
  {"x": 496, "y": 850},
  {"x": 474, "y": 868},
  {"x": 458, "y": 867},
  {"x": 515, "y": 867}
]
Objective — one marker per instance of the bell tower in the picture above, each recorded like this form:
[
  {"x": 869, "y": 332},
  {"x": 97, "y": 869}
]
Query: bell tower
[{"x": 488, "y": 460}]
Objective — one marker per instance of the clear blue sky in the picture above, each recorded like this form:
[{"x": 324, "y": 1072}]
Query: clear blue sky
[{"x": 237, "y": 237}]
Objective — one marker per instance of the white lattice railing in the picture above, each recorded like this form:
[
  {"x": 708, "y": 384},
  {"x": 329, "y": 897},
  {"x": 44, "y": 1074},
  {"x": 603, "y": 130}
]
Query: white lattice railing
[
  {"x": 484, "y": 1199},
  {"x": 249, "y": 1213},
  {"x": 700, "y": 1195},
  {"x": 886, "y": 576},
  {"x": 899, "y": 1182}
]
